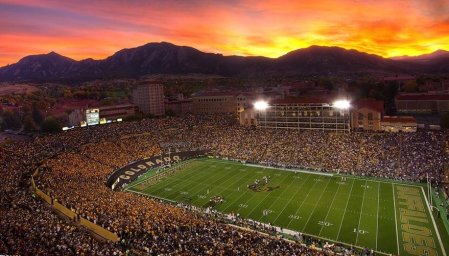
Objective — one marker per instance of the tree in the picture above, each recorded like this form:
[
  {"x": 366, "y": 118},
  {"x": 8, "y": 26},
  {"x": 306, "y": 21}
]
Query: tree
[
  {"x": 50, "y": 125},
  {"x": 37, "y": 116},
  {"x": 445, "y": 120},
  {"x": 11, "y": 120},
  {"x": 410, "y": 86},
  {"x": 29, "y": 124},
  {"x": 169, "y": 112}
]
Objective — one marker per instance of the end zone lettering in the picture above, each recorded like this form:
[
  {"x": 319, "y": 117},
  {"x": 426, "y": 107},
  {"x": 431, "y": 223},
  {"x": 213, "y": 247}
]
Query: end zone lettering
[
  {"x": 417, "y": 238},
  {"x": 130, "y": 172},
  {"x": 145, "y": 166}
]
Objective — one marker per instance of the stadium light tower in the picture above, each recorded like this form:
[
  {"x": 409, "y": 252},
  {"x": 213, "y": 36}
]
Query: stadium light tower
[
  {"x": 261, "y": 105},
  {"x": 341, "y": 104}
]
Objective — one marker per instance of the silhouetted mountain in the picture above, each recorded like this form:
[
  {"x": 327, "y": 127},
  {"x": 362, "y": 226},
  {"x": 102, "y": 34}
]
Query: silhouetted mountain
[
  {"x": 37, "y": 67},
  {"x": 166, "y": 58},
  {"x": 434, "y": 56},
  {"x": 439, "y": 65},
  {"x": 318, "y": 59}
]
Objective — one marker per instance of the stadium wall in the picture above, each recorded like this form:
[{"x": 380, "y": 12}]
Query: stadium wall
[
  {"x": 98, "y": 230},
  {"x": 64, "y": 210},
  {"x": 73, "y": 215}
]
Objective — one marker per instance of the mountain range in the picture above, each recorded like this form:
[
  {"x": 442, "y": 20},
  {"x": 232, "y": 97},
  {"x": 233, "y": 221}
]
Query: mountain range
[{"x": 167, "y": 58}]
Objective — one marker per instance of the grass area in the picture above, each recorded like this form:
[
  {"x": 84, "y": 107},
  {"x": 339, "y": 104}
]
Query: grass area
[{"x": 385, "y": 216}]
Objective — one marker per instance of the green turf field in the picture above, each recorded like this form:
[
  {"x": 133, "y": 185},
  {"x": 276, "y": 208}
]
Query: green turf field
[{"x": 384, "y": 216}]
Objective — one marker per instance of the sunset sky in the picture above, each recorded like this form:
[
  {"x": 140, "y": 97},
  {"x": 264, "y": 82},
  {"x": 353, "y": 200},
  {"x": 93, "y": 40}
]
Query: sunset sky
[{"x": 98, "y": 28}]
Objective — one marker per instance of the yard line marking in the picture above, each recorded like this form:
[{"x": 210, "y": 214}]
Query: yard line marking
[
  {"x": 291, "y": 198},
  {"x": 395, "y": 218},
  {"x": 330, "y": 207},
  {"x": 347, "y": 202},
  {"x": 198, "y": 171},
  {"x": 361, "y": 210},
  {"x": 305, "y": 198},
  {"x": 310, "y": 216},
  {"x": 433, "y": 221},
  {"x": 188, "y": 182},
  {"x": 182, "y": 183},
  {"x": 388, "y": 181},
  {"x": 224, "y": 188},
  {"x": 242, "y": 194},
  {"x": 156, "y": 169},
  {"x": 377, "y": 219},
  {"x": 267, "y": 196}
]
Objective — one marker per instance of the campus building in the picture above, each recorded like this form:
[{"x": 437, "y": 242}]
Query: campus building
[
  {"x": 366, "y": 114},
  {"x": 214, "y": 102},
  {"x": 178, "y": 106},
  {"x": 229, "y": 102},
  {"x": 114, "y": 112},
  {"x": 398, "y": 124},
  {"x": 149, "y": 99},
  {"x": 422, "y": 103}
]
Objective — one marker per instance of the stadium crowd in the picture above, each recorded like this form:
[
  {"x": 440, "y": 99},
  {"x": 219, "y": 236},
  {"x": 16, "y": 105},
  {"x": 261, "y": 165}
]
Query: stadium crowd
[{"x": 74, "y": 165}]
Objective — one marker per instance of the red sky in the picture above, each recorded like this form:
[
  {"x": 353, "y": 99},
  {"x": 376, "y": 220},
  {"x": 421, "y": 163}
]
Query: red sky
[{"x": 97, "y": 28}]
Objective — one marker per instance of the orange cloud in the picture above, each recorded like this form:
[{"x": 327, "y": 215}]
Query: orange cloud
[{"x": 82, "y": 29}]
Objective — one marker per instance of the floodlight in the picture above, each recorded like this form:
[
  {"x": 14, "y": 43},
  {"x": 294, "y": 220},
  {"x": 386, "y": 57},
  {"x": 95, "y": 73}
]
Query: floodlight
[
  {"x": 261, "y": 105},
  {"x": 341, "y": 104}
]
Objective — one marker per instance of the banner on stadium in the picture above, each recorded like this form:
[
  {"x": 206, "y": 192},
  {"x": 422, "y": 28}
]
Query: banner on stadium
[{"x": 132, "y": 171}]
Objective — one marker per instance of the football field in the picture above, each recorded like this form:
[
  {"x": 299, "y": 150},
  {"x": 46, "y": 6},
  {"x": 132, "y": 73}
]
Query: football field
[{"x": 388, "y": 217}]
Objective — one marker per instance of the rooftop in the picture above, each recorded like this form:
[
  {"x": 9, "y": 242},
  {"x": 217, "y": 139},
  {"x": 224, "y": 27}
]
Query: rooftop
[
  {"x": 372, "y": 104},
  {"x": 329, "y": 99},
  {"x": 422, "y": 97}
]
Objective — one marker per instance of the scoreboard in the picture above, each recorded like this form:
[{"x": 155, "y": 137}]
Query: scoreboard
[{"x": 93, "y": 116}]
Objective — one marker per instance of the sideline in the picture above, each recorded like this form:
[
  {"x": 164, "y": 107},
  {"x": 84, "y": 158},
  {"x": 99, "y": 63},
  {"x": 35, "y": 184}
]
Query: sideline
[
  {"x": 283, "y": 231},
  {"x": 290, "y": 170},
  {"x": 433, "y": 221}
]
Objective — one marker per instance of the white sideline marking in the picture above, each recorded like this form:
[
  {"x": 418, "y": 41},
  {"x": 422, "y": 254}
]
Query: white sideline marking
[
  {"x": 328, "y": 211},
  {"x": 347, "y": 202},
  {"x": 148, "y": 195},
  {"x": 395, "y": 218},
  {"x": 291, "y": 199},
  {"x": 433, "y": 221},
  {"x": 290, "y": 170},
  {"x": 316, "y": 204},
  {"x": 377, "y": 219},
  {"x": 361, "y": 210}
]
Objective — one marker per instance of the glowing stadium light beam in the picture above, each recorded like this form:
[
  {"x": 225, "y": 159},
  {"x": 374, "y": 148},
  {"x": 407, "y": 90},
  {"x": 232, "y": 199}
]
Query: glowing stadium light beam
[
  {"x": 261, "y": 105},
  {"x": 341, "y": 104}
]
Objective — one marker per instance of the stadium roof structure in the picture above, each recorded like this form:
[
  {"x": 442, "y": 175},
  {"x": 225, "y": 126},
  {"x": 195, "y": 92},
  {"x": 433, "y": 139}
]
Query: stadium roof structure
[
  {"x": 216, "y": 94},
  {"x": 329, "y": 99}
]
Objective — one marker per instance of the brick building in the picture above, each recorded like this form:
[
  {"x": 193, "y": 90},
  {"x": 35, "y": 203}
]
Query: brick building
[
  {"x": 422, "y": 103},
  {"x": 149, "y": 99},
  {"x": 366, "y": 114}
]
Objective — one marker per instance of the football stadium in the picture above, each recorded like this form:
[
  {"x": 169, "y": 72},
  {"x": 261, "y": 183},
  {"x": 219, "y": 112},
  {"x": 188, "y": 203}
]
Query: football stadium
[
  {"x": 205, "y": 185},
  {"x": 351, "y": 210}
]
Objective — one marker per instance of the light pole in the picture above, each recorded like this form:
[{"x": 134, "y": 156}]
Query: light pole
[
  {"x": 262, "y": 106},
  {"x": 341, "y": 105}
]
